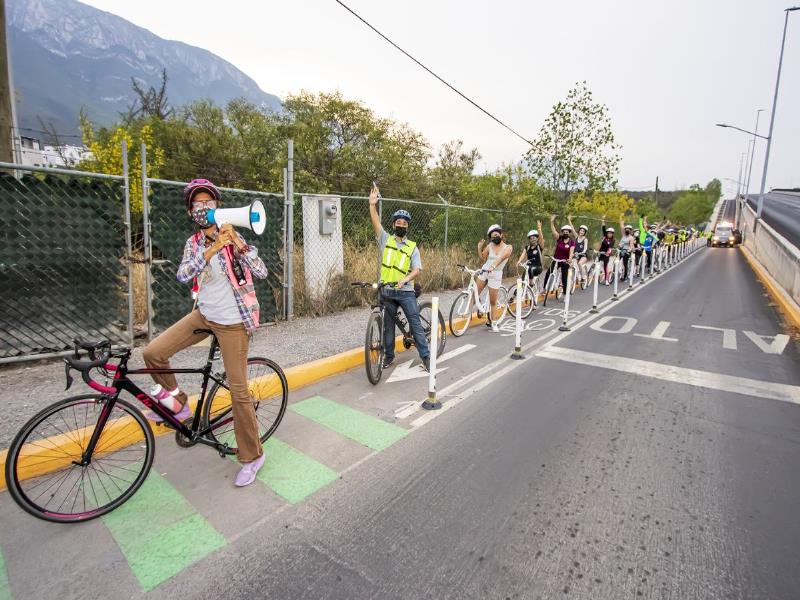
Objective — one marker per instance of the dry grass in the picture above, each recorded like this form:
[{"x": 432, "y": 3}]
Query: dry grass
[{"x": 361, "y": 264}]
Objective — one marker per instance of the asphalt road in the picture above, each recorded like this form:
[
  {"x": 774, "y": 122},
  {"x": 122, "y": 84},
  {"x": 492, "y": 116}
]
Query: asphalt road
[
  {"x": 565, "y": 480},
  {"x": 782, "y": 212},
  {"x": 727, "y": 211},
  {"x": 650, "y": 452}
]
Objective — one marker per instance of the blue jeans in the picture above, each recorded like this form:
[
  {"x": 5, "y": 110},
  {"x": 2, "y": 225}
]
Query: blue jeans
[{"x": 408, "y": 302}]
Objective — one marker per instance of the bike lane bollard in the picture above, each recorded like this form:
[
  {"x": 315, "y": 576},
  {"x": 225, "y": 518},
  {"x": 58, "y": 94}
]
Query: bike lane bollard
[
  {"x": 517, "y": 354},
  {"x": 594, "y": 291},
  {"x": 641, "y": 267},
  {"x": 616, "y": 280},
  {"x": 564, "y": 326},
  {"x": 652, "y": 261},
  {"x": 432, "y": 403},
  {"x": 631, "y": 270}
]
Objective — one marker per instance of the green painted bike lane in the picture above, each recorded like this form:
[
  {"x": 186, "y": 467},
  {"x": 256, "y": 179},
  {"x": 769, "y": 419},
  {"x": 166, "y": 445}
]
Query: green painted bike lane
[{"x": 159, "y": 532}]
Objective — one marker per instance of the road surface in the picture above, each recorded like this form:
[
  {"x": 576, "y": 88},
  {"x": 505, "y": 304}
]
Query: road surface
[
  {"x": 782, "y": 212},
  {"x": 650, "y": 452}
]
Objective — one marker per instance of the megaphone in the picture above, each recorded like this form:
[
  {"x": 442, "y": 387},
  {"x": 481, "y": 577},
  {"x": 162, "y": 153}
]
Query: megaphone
[{"x": 254, "y": 217}]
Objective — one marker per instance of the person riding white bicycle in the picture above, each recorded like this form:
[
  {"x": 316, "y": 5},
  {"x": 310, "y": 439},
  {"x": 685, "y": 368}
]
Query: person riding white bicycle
[
  {"x": 606, "y": 249},
  {"x": 531, "y": 255},
  {"x": 495, "y": 257},
  {"x": 564, "y": 251},
  {"x": 581, "y": 251},
  {"x": 626, "y": 247}
]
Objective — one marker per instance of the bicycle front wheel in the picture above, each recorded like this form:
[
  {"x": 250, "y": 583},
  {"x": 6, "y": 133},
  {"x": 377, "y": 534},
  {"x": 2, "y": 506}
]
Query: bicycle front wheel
[
  {"x": 373, "y": 347},
  {"x": 528, "y": 302},
  {"x": 461, "y": 313},
  {"x": 269, "y": 393},
  {"x": 425, "y": 315},
  {"x": 48, "y": 475},
  {"x": 550, "y": 281}
]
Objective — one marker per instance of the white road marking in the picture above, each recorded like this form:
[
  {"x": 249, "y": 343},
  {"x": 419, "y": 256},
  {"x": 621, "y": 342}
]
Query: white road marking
[
  {"x": 403, "y": 371},
  {"x": 658, "y": 333},
  {"x": 776, "y": 346},
  {"x": 546, "y": 341},
  {"x": 728, "y": 335},
  {"x": 627, "y": 326},
  {"x": 695, "y": 377}
]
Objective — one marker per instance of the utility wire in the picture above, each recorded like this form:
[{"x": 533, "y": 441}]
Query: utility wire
[{"x": 456, "y": 90}]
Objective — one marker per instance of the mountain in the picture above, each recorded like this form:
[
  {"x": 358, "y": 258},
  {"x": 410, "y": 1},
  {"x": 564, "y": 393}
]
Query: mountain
[{"x": 66, "y": 54}]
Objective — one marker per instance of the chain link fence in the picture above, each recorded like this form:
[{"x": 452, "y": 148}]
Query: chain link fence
[
  {"x": 63, "y": 272},
  {"x": 171, "y": 227}
]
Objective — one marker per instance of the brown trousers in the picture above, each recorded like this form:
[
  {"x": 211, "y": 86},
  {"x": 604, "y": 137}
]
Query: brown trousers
[{"x": 233, "y": 342}]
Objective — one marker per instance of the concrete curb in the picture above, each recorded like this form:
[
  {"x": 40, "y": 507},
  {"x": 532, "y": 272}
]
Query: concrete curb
[{"x": 787, "y": 305}]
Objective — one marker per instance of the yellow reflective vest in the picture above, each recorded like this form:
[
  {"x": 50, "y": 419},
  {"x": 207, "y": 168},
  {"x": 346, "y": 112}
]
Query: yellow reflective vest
[{"x": 396, "y": 260}]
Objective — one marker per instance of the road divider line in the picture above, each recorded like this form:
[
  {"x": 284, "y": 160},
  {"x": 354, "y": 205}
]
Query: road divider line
[{"x": 675, "y": 374}]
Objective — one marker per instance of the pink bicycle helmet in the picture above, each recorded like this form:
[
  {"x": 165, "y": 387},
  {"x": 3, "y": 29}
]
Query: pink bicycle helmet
[{"x": 199, "y": 185}]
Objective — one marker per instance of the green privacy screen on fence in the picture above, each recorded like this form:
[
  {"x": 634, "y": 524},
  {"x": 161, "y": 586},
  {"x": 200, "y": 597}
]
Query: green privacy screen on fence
[
  {"x": 171, "y": 228},
  {"x": 62, "y": 268}
]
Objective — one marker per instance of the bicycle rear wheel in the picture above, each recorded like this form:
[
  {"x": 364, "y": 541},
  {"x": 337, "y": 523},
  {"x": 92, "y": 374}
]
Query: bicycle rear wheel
[
  {"x": 44, "y": 471},
  {"x": 269, "y": 392},
  {"x": 425, "y": 312},
  {"x": 461, "y": 313}
]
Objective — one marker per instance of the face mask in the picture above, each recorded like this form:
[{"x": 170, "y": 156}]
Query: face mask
[
  {"x": 565, "y": 236},
  {"x": 400, "y": 231},
  {"x": 200, "y": 216},
  {"x": 496, "y": 240}
]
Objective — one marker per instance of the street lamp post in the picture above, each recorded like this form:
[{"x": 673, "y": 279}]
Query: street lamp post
[
  {"x": 772, "y": 117},
  {"x": 752, "y": 153}
]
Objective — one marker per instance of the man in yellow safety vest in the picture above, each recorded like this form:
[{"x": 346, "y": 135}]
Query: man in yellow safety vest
[{"x": 400, "y": 264}]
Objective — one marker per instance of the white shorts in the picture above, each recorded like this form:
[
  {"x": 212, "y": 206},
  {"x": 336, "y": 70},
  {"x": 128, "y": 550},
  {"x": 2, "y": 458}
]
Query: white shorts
[{"x": 495, "y": 279}]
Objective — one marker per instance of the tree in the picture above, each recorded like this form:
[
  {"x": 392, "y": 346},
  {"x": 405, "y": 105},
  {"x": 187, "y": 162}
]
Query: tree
[
  {"x": 149, "y": 102},
  {"x": 106, "y": 149},
  {"x": 612, "y": 205},
  {"x": 693, "y": 206},
  {"x": 575, "y": 148},
  {"x": 648, "y": 208}
]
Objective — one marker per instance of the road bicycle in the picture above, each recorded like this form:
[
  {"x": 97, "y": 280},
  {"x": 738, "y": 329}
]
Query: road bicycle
[
  {"x": 468, "y": 300},
  {"x": 614, "y": 266},
  {"x": 530, "y": 292},
  {"x": 86, "y": 455},
  {"x": 373, "y": 344},
  {"x": 583, "y": 271},
  {"x": 593, "y": 270}
]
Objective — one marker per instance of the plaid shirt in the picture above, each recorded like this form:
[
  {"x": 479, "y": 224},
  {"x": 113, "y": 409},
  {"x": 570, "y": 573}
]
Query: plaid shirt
[{"x": 193, "y": 263}]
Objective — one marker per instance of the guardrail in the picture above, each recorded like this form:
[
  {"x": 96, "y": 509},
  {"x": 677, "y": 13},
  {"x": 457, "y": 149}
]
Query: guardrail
[{"x": 779, "y": 257}]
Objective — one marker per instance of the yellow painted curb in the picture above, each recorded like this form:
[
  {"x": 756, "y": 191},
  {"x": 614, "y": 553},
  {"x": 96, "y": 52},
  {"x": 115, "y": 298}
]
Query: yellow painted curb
[{"x": 787, "y": 305}]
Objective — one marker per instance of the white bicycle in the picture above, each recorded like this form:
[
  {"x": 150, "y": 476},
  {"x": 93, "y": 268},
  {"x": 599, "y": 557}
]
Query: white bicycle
[
  {"x": 468, "y": 300},
  {"x": 553, "y": 280},
  {"x": 530, "y": 293}
]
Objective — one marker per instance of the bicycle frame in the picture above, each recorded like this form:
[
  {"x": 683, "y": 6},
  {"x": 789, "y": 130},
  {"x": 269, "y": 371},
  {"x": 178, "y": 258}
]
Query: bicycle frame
[
  {"x": 121, "y": 383},
  {"x": 472, "y": 289}
]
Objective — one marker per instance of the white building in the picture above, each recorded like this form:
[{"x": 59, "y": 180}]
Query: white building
[{"x": 34, "y": 154}]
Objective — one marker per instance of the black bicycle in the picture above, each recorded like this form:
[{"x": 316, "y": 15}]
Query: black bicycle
[
  {"x": 86, "y": 455},
  {"x": 373, "y": 345}
]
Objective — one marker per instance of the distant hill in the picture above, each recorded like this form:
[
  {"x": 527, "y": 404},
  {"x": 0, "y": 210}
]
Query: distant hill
[
  {"x": 66, "y": 54},
  {"x": 665, "y": 198}
]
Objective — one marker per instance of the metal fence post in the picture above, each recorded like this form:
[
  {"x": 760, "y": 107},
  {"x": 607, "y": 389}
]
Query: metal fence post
[
  {"x": 128, "y": 241},
  {"x": 290, "y": 231},
  {"x": 446, "y": 225},
  {"x": 285, "y": 280},
  {"x": 146, "y": 240}
]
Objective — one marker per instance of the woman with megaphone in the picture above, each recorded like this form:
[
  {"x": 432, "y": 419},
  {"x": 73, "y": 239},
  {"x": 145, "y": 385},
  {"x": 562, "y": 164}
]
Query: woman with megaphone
[{"x": 222, "y": 266}]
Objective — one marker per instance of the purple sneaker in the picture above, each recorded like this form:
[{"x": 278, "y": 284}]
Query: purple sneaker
[
  {"x": 184, "y": 414},
  {"x": 248, "y": 472}
]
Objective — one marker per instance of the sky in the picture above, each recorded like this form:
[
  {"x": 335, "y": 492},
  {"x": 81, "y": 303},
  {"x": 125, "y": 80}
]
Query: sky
[{"x": 668, "y": 71}]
